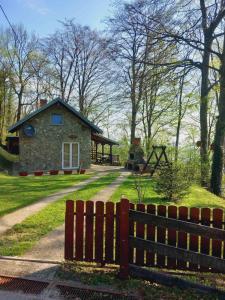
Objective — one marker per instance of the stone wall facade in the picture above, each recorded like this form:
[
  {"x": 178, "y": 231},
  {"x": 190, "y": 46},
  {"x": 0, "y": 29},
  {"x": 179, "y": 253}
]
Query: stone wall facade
[{"x": 44, "y": 150}]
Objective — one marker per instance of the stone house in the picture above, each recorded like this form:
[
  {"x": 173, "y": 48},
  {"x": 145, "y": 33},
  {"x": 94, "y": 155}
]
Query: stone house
[{"x": 54, "y": 137}]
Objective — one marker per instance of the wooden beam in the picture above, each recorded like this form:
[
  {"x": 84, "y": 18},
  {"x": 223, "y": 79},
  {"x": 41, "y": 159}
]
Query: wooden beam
[
  {"x": 180, "y": 254},
  {"x": 172, "y": 281},
  {"x": 96, "y": 150},
  {"x": 111, "y": 154},
  {"x": 197, "y": 229}
]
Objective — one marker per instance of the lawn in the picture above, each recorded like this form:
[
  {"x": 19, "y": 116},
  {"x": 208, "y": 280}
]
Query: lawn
[
  {"x": 198, "y": 196},
  {"x": 91, "y": 274},
  {"x": 21, "y": 237},
  {"x": 17, "y": 192}
]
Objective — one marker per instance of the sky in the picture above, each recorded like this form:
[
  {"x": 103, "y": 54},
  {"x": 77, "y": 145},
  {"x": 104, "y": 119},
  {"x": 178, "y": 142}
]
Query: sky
[{"x": 42, "y": 16}]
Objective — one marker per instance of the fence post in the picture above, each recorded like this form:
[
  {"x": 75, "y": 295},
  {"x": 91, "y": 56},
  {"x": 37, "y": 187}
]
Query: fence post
[
  {"x": 124, "y": 239},
  {"x": 69, "y": 230}
]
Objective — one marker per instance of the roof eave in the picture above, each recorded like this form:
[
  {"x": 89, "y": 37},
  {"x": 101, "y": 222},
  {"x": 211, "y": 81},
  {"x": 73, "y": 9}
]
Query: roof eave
[{"x": 17, "y": 125}]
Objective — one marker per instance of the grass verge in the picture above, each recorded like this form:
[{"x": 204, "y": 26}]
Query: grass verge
[
  {"x": 18, "y": 192},
  {"x": 198, "y": 196},
  {"x": 107, "y": 277},
  {"x": 22, "y": 237}
]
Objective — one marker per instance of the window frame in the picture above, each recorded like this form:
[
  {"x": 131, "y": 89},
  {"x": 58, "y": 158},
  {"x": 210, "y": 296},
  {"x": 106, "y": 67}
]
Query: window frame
[
  {"x": 57, "y": 115},
  {"x": 71, "y": 167}
]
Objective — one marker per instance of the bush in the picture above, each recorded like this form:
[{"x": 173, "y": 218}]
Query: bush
[
  {"x": 173, "y": 181},
  {"x": 140, "y": 185}
]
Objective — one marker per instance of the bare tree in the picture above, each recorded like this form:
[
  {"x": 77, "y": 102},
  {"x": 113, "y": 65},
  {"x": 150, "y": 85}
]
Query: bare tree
[
  {"x": 193, "y": 26},
  {"x": 21, "y": 54},
  {"x": 218, "y": 155},
  {"x": 62, "y": 51},
  {"x": 129, "y": 49}
]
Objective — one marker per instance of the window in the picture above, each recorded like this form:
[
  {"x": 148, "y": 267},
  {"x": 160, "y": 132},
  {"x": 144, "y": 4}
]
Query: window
[
  {"x": 29, "y": 130},
  {"x": 57, "y": 119}
]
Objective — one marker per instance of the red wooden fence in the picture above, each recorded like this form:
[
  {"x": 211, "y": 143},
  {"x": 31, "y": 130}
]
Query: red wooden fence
[{"x": 94, "y": 232}]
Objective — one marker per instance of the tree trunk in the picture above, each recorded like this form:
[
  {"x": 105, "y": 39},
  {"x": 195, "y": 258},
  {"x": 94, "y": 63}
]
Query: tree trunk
[
  {"x": 179, "y": 117},
  {"x": 204, "y": 119},
  {"x": 19, "y": 107},
  {"x": 133, "y": 124},
  {"x": 218, "y": 155}
]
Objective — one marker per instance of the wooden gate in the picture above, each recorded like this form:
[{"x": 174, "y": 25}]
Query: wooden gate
[{"x": 145, "y": 235}]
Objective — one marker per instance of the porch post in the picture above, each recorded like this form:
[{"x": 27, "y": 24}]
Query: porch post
[
  {"x": 96, "y": 151},
  {"x": 103, "y": 149},
  {"x": 111, "y": 160}
]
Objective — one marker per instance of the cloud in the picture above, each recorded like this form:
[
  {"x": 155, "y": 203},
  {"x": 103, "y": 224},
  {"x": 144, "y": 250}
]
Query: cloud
[{"x": 36, "y": 5}]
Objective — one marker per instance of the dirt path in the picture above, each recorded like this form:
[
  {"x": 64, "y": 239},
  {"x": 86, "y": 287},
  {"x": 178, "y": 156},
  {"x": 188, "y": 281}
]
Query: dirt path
[
  {"x": 9, "y": 220},
  {"x": 52, "y": 245}
]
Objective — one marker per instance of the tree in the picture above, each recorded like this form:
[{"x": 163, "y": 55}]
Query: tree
[
  {"x": 128, "y": 49},
  {"x": 80, "y": 67},
  {"x": 6, "y": 103},
  {"x": 62, "y": 52},
  {"x": 194, "y": 26},
  {"x": 21, "y": 54},
  {"x": 218, "y": 146}
]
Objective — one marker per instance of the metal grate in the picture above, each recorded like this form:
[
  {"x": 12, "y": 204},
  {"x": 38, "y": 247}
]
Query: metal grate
[
  {"x": 67, "y": 292},
  {"x": 24, "y": 285},
  {"x": 83, "y": 294}
]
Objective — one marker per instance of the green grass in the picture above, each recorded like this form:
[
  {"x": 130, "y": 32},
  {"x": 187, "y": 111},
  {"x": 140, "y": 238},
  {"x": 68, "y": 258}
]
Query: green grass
[
  {"x": 107, "y": 277},
  {"x": 21, "y": 237},
  {"x": 198, "y": 196},
  {"x": 17, "y": 192}
]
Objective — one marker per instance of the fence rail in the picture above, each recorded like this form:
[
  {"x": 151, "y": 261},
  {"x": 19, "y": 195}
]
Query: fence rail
[
  {"x": 145, "y": 235},
  {"x": 179, "y": 225}
]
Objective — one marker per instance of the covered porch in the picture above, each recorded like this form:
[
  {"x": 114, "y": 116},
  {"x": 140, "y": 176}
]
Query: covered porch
[{"x": 102, "y": 150}]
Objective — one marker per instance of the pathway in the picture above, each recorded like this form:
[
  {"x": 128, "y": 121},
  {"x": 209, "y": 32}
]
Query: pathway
[
  {"x": 52, "y": 245},
  {"x": 9, "y": 220}
]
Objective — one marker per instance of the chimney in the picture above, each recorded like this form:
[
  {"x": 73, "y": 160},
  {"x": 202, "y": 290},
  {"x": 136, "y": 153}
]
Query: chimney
[
  {"x": 136, "y": 141},
  {"x": 42, "y": 102}
]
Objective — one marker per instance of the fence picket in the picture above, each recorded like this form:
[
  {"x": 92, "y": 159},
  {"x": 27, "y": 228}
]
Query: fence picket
[
  {"x": 161, "y": 236},
  {"x": 109, "y": 232},
  {"x": 140, "y": 231},
  {"x": 194, "y": 239},
  {"x": 218, "y": 223},
  {"x": 150, "y": 256},
  {"x": 79, "y": 230},
  {"x": 172, "y": 236},
  {"x": 131, "y": 232},
  {"x": 205, "y": 242},
  {"x": 124, "y": 239},
  {"x": 69, "y": 230},
  {"x": 99, "y": 223},
  {"x": 117, "y": 246},
  {"x": 182, "y": 236},
  {"x": 89, "y": 231}
]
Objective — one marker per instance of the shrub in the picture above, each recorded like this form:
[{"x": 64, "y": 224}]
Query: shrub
[
  {"x": 140, "y": 185},
  {"x": 173, "y": 181}
]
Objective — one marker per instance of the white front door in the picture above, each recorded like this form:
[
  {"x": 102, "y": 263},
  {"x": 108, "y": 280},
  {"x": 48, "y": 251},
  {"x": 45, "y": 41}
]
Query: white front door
[{"x": 70, "y": 155}]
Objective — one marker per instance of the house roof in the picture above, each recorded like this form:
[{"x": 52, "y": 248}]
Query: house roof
[
  {"x": 16, "y": 126},
  {"x": 98, "y": 138}
]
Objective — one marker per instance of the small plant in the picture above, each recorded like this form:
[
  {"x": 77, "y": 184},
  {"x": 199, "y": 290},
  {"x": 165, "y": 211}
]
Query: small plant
[
  {"x": 173, "y": 181},
  {"x": 68, "y": 172},
  {"x": 54, "y": 172},
  {"x": 23, "y": 173},
  {"x": 38, "y": 173},
  {"x": 140, "y": 186}
]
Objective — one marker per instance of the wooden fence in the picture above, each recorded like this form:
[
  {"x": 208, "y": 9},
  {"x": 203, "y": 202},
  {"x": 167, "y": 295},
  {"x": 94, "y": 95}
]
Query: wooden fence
[{"x": 146, "y": 235}]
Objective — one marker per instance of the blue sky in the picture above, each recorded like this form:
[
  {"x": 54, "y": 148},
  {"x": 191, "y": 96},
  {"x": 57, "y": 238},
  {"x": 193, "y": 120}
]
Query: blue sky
[{"x": 42, "y": 16}]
